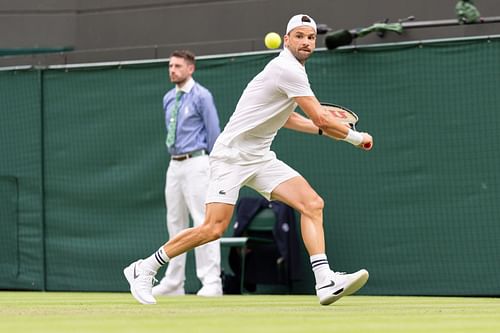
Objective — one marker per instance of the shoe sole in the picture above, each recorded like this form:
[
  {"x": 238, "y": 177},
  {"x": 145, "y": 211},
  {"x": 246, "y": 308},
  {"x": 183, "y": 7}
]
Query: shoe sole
[
  {"x": 349, "y": 289},
  {"x": 129, "y": 275},
  {"x": 358, "y": 283}
]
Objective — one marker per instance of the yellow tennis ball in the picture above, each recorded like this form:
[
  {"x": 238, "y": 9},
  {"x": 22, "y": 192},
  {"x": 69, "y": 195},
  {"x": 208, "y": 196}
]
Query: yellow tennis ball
[{"x": 272, "y": 40}]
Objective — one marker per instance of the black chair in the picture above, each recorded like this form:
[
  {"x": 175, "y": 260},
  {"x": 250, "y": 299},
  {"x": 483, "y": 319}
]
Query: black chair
[{"x": 268, "y": 248}]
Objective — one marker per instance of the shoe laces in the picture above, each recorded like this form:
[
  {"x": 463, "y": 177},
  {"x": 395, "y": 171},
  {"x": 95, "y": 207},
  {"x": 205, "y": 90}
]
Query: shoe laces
[
  {"x": 153, "y": 278},
  {"x": 149, "y": 274},
  {"x": 146, "y": 282}
]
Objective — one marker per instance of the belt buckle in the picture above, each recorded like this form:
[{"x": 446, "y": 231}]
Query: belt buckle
[
  {"x": 196, "y": 153},
  {"x": 181, "y": 157}
]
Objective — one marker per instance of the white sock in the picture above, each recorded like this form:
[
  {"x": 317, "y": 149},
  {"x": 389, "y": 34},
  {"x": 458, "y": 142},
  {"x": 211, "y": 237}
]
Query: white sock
[
  {"x": 320, "y": 267},
  {"x": 156, "y": 260}
]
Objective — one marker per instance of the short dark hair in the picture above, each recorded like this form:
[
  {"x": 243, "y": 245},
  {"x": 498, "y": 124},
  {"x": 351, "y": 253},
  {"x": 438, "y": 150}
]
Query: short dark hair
[
  {"x": 305, "y": 18},
  {"x": 184, "y": 54}
]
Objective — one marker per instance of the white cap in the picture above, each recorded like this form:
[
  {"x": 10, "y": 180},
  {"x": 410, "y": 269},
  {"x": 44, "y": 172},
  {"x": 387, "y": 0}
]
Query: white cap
[{"x": 300, "y": 20}]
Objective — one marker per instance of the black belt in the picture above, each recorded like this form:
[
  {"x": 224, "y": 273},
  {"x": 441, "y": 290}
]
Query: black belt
[{"x": 195, "y": 153}]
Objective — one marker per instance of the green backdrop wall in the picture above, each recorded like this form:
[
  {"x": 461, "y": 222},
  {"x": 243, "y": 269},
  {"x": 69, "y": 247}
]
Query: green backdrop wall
[{"x": 82, "y": 167}]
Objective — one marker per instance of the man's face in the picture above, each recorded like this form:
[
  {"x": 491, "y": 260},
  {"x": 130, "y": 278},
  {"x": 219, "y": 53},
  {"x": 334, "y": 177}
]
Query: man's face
[
  {"x": 301, "y": 41},
  {"x": 179, "y": 70}
]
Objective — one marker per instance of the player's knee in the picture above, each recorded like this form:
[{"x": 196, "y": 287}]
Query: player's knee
[
  {"x": 314, "y": 206},
  {"x": 212, "y": 231},
  {"x": 215, "y": 233}
]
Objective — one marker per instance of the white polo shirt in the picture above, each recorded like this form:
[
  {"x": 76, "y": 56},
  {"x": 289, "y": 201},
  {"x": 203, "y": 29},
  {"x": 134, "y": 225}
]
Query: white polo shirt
[{"x": 265, "y": 105}]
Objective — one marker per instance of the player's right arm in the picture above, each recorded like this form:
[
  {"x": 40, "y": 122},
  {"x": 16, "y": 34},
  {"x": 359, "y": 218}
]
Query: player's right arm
[
  {"x": 321, "y": 118},
  {"x": 330, "y": 126},
  {"x": 292, "y": 81}
]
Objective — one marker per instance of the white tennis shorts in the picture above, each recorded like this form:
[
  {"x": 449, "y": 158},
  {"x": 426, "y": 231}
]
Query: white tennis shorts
[{"x": 230, "y": 170}]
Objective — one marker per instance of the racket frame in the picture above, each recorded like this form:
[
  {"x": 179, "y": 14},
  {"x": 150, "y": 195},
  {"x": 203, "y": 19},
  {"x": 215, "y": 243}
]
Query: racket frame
[{"x": 351, "y": 122}]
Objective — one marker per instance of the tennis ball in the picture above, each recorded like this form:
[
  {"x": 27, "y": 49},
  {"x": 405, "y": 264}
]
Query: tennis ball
[{"x": 272, "y": 40}]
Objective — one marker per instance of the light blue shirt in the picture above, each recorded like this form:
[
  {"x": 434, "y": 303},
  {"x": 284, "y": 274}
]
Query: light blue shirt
[{"x": 197, "y": 119}]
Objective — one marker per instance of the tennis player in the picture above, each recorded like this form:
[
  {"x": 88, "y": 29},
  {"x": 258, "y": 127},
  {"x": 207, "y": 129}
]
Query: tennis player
[{"x": 242, "y": 157}]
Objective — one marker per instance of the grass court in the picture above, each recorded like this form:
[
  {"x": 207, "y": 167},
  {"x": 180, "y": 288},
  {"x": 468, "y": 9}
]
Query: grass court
[{"x": 44, "y": 312}]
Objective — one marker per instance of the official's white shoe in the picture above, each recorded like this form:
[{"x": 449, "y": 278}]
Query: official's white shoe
[
  {"x": 339, "y": 285},
  {"x": 210, "y": 290},
  {"x": 166, "y": 289},
  {"x": 141, "y": 282}
]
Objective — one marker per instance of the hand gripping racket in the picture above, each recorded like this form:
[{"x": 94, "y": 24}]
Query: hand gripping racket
[{"x": 344, "y": 115}]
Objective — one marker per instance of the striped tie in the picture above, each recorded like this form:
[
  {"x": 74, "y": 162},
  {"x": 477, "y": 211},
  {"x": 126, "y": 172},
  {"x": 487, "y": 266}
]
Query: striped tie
[{"x": 172, "y": 126}]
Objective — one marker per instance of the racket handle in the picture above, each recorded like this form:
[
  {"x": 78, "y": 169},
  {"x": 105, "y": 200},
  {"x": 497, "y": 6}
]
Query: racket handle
[{"x": 367, "y": 145}]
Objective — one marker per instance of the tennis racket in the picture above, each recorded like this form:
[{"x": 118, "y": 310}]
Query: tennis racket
[{"x": 344, "y": 115}]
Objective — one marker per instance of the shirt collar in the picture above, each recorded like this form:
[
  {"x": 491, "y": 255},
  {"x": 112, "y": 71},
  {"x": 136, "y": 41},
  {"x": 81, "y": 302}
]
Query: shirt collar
[
  {"x": 187, "y": 87},
  {"x": 288, "y": 54}
]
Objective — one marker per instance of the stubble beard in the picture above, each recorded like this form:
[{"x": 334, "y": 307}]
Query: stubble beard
[{"x": 301, "y": 57}]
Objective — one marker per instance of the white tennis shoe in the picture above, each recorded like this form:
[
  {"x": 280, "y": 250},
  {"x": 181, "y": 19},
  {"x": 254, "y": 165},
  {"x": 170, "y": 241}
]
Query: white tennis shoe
[
  {"x": 210, "y": 290},
  {"x": 339, "y": 285},
  {"x": 141, "y": 282}
]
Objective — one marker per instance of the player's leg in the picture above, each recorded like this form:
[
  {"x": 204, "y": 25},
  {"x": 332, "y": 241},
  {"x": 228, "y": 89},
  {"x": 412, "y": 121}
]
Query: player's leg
[
  {"x": 217, "y": 219},
  {"x": 277, "y": 181},
  {"x": 172, "y": 284},
  {"x": 330, "y": 286},
  {"x": 140, "y": 274},
  {"x": 280, "y": 182},
  {"x": 222, "y": 194},
  {"x": 297, "y": 193},
  {"x": 208, "y": 258}
]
